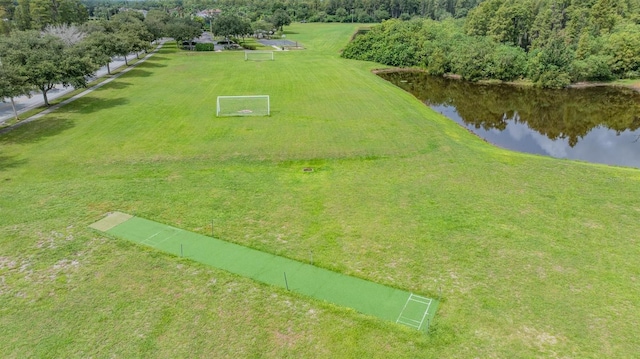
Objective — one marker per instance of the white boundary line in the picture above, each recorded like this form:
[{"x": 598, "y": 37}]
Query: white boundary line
[
  {"x": 413, "y": 322},
  {"x": 149, "y": 242}
]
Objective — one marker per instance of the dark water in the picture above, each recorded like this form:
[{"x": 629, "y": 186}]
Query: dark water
[{"x": 597, "y": 124}]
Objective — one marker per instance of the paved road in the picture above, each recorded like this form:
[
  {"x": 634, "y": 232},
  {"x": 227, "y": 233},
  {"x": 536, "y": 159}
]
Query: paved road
[
  {"x": 59, "y": 93},
  {"x": 24, "y": 103}
]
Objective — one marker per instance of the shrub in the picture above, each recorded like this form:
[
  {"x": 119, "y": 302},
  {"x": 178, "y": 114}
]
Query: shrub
[{"x": 204, "y": 47}]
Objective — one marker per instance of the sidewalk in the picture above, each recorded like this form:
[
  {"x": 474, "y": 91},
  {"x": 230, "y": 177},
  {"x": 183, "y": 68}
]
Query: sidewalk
[{"x": 24, "y": 103}]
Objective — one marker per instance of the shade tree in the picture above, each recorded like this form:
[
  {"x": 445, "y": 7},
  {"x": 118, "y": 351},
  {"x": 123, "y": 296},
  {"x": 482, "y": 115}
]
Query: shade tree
[
  {"x": 183, "y": 29},
  {"x": 45, "y": 61},
  {"x": 231, "y": 25},
  {"x": 280, "y": 18},
  {"x": 13, "y": 84}
]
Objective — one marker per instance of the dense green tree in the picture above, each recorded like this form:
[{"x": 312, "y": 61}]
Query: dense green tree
[
  {"x": 128, "y": 33},
  {"x": 508, "y": 63},
  {"x": 127, "y": 16},
  {"x": 136, "y": 36},
  {"x": 472, "y": 58},
  {"x": 156, "y": 23},
  {"x": 280, "y": 18},
  {"x": 45, "y": 61},
  {"x": 592, "y": 68},
  {"x": 604, "y": 15},
  {"x": 22, "y": 15},
  {"x": 560, "y": 41},
  {"x": 6, "y": 12},
  {"x": 104, "y": 12},
  {"x": 231, "y": 25},
  {"x": 549, "y": 64},
  {"x": 13, "y": 84},
  {"x": 184, "y": 29},
  {"x": 624, "y": 48},
  {"x": 38, "y": 14},
  {"x": 381, "y": 15},
  {"x": 121, "y": 45},
  {"x": 579, "y": 18},
  {"x": 41, "y": 12},
  {"x": 547, "y": 25},
  {"x": 309, "y": 10},
  {"x": 101, "y": 47},
  {"x": 262, "y": 26},
  {"x": 511, "y": 23},
  {"x": 478, "y": 21},
  {"x": 71, "y": 12}
]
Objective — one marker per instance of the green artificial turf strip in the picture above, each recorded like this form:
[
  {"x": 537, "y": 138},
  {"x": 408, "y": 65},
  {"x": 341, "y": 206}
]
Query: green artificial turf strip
[
  {"x": 535, "y": 256},
  {"x": 366, "y": 297}
]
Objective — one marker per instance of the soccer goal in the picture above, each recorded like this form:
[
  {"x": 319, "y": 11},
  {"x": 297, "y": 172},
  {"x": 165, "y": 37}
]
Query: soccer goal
[
  {"x": 258, "y": 56},
  {"x": 243, "y": 106}
]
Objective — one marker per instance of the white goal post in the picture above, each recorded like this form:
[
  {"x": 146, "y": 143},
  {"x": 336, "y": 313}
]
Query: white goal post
[
  {"x": 257, "y": 55},
  {"x": 243, "y": 106}
]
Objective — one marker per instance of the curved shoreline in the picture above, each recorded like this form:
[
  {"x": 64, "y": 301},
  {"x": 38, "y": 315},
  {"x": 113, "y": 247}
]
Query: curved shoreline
[{"x": 575, "y": 85}]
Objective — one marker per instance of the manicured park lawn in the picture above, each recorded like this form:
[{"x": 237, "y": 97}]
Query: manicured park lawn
[{"x": 533, "y": 256}]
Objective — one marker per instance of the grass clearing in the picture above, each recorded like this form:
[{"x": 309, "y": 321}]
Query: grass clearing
[{"x": 534, "y": 256}]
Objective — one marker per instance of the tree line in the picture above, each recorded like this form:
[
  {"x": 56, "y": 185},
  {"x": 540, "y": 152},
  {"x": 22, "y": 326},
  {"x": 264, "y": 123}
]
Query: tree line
[
  {"x": 550, "y": 42},
  {"x": 44, "y": 43},
  {"x": 362, "y": 11},
  {"x": 68, "y": 54}
]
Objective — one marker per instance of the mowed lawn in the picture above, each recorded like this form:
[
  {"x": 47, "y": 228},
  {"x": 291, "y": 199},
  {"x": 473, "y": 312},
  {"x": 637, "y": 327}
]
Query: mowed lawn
[{"x": 533, "y": 256}]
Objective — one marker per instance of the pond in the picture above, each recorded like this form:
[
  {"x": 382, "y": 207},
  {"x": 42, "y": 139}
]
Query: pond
[{"x": 594, "y": 124}]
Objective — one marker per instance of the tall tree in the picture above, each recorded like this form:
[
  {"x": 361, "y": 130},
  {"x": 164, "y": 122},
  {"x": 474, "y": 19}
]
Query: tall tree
[
  {"x": 228, "y": 25},
  {"x": 42, "y": 14},
  {"x": 549, "y": 64},
  {"x": 182, "y": 29},
  {"x": 101, "y": 47},
  {"x": 511, "y": 23},
  {"x": 6, "y": 13},
  {"x": 136, "y": 36},
  {"x": 45, "y": 61},
  {"x": 129, "y": 33},
  {"x": 280, "y": 18},
  {"x": 71, "y": 12},
  {"x": 604, "y": 15},
  {"x": 12, "y": 84},
  {"x": 156, "y": 23},
  {"x": 22, "y": 16}
]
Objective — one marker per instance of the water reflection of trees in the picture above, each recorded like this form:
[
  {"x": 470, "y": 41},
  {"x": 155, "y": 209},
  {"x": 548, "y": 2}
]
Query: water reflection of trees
[{"x": 558, "y": 114}]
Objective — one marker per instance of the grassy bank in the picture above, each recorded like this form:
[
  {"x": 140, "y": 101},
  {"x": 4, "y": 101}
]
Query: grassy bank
[{"x": 534, "y": 256}]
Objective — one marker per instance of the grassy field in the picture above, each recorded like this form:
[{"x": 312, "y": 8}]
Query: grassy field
[{"x": 535, "y": 257}]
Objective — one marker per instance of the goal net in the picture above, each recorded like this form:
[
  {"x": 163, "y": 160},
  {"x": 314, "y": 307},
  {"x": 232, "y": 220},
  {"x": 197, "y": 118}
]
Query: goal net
[
  {"x": 243, "y": 106},
  {"x": 258, "y": 56}
]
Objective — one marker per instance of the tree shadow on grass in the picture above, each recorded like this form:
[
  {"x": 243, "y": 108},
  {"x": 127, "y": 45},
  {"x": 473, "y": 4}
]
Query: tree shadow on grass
[
  {"x": 149, "y": 63},
  {"x": 6, "y": 163},
  {"x": 157, "y": 57},
  {"x": 137, "y": 73},
  {"x": 35, "y": 131},
  {"x": 115, "y": 85},
  {"x": 90, "y": 104}
]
